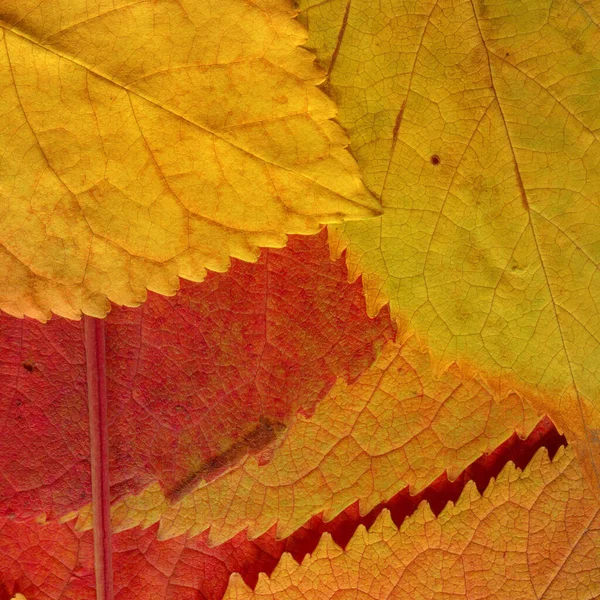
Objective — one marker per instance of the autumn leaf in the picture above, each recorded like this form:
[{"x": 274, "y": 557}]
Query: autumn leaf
[
  {"x": 45, "y": 561},
  {"x": 150, "y": 140},
  {"x": 51, "y": 559},
  {"x": 194, "y": 382},
  {"x": 476, "y": 124},
  {"x": 153, "y": 139},
  {"x": 398, "y": 425},
  {"x": 534, "y": 534}
]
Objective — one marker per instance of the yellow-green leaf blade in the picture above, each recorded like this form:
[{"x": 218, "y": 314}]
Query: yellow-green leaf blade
[{"x": 476, "y": 123}]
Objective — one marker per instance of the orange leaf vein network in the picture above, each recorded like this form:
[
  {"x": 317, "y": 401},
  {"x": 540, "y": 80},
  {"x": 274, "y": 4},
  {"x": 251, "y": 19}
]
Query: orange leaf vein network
[
  {"x": 397, "y": 425},
  {"x": 534, "y": 534}
]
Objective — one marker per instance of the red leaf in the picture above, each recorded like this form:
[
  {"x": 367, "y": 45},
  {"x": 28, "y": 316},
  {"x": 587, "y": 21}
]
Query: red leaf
[
  {"x": 195, "y": 381},
  {"x": 48, "y": 561}
]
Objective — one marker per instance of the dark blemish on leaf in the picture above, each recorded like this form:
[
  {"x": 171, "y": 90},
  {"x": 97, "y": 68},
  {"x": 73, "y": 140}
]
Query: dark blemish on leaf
[
  {"x": 265, "y": 433},
  {"x": 435, "y": 160},
  {"x": 481, "y": 10},
  {"x": 28, "y": 365},
  {"x": 397, "y": 124},
  {"x": 578, "y": 47}
]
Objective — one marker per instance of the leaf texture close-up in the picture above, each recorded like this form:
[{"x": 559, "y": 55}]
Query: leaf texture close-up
[
  {"x": 476, "y": 124},
  {"x": 146, "y": 140},
  {"x": 534, "y": 534},
  {"x": 300, "y": 299}
]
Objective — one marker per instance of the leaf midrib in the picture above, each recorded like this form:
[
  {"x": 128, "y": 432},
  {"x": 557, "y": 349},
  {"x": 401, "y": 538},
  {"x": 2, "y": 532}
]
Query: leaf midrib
[{"x": 527, "y": 207}]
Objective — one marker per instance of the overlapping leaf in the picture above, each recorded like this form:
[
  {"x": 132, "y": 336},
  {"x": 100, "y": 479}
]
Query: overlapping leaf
[
  {"x": 476, "y": 124},
  {"x": 50, "y": 560},
  {"x": 194, "y": 382},
  {"x": 397, "y": 425},
  {"x": 154, "y": 139},
  {"x": 46, "y": 562},
  {"x": 534, "y": 534},
  {"x": 150, "y": 139}
]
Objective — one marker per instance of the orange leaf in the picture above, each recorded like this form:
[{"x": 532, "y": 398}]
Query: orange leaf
[
  {"x": 534, "y": 534},
  {"x": 49, "y": 560},
  {"x": 397, "y": 425}
]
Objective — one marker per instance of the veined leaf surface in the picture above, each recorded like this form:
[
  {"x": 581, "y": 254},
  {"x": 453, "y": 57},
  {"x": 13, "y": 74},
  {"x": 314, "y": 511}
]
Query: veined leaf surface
[
  {"x": 534, "y": 534},
  {"x": 146, "y": 140},
  {"x": 476, "y": 124},
  {"x": 398, "y": 425},
  {"x": 194, "y": 381},
  {"x": 49, "y": 560}
]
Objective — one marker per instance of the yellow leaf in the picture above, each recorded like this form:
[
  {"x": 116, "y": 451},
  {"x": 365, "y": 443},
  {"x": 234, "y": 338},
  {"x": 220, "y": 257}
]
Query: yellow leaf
[
  {"x": 534, "y": 534},
  {"x": 477, "y": 125},
  {"x": 145, "y": 140},
  {"x": 397, "y": 425}
]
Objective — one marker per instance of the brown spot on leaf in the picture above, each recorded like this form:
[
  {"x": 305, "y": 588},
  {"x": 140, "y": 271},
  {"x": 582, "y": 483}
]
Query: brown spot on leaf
[
  {"x": 28, "y": 365},
  {"x": 578, "y": 47},
  {"x": 264, "y": 434},
  {"x": 435, "y": 160}
]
